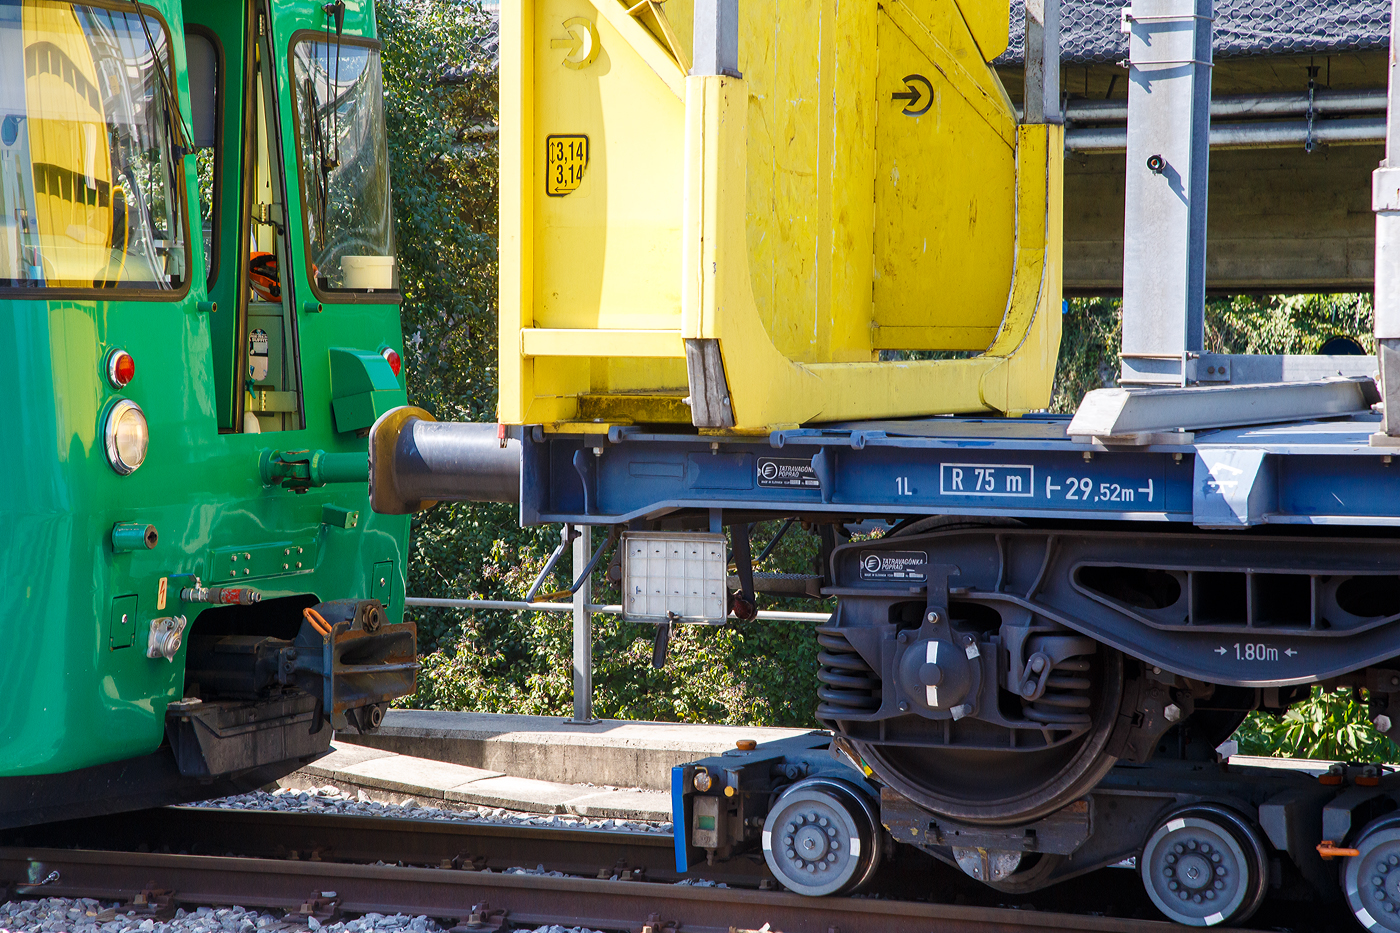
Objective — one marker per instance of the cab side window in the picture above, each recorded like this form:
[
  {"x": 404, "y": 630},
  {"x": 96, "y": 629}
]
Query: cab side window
[{"x": 202, "y": 56}]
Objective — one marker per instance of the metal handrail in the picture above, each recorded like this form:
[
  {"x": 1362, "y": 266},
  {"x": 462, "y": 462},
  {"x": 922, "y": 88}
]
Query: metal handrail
[{"x": 428, "y": 602}]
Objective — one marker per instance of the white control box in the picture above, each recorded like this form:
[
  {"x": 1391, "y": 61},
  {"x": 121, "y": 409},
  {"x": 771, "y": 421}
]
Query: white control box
[{"x": 680, "y": 573}]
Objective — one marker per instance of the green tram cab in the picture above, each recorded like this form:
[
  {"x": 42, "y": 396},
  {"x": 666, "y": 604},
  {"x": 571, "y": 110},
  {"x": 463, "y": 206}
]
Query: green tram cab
[{"x": 200, "y": 326}]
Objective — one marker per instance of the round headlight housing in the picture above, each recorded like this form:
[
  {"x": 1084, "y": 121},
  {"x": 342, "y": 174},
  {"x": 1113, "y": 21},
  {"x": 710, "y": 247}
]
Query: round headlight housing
[{"x": 127, "y": 436}]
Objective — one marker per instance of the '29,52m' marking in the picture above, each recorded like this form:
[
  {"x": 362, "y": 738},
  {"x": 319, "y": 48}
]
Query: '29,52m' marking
[
  {"x": 1083, "y": 489},
  {"x": 1018, "y": 480}
]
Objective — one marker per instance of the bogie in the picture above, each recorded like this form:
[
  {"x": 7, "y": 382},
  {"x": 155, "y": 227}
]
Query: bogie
[{"x": 1033, "y": 704}]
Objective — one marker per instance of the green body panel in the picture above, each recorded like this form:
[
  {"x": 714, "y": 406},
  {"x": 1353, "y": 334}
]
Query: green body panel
[{"x": 79, "y": 689}]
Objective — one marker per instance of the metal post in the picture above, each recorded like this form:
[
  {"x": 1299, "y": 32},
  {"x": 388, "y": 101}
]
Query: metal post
[
  {"x": 716, "y": 42},
  {"x": 1168, "y": 161},
  {"x": 1385, "y": 201},
  {"x": 583, "y": 630},
  {"x": 1043, "y": 62}
]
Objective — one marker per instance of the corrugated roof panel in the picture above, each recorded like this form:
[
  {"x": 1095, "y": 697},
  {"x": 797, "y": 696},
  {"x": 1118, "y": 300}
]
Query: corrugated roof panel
[{"x": 1090, "y": 28}]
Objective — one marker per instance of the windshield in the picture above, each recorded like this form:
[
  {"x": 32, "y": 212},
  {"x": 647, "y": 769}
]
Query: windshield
[
  {"x": 344, "y": 165},
  {"x": 88, "y": 192}
]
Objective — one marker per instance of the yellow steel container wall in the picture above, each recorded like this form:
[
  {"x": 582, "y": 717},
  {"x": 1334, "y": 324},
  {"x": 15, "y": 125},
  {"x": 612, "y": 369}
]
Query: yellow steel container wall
[{"x": 735, "y": 252}]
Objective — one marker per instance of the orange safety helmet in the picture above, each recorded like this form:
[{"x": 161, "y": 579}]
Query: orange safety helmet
[{"x": 263, "y": 276}]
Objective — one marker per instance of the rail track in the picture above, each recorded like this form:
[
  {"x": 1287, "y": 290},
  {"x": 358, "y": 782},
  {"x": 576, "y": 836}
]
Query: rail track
[
  {"x": 457, "y": 872},
  {"x": 317, "y": 837},
  {"x": 501, "y": 901}
]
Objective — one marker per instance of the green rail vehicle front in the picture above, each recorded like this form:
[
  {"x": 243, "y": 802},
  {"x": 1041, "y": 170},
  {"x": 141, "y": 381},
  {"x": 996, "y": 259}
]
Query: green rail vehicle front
[{"x": 201, "y": 326}]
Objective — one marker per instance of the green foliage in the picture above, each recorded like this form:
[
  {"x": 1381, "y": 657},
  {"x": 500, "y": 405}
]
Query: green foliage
[
  {"x": 1291, "y": 324},
  {"x": 440, "y": 105},
  {"x": 754, "y": 673},
  {"x": 1298, "y": 324},
  {"x": 1092, "y": 336},
  {"x": 1331, "y": 726}
]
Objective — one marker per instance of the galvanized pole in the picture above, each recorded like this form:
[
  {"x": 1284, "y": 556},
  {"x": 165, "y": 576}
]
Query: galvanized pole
[
  {"x": 583, "y": 630},
  {"x": 1043, "y": 62},
  {"x": 1168, "y": 162},
  {"x": 716, "y": 38},
  {"x": 1385, "y": 201}
]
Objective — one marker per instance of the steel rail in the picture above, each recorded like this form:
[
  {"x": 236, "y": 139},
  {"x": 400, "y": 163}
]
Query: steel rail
[
  {"x": 528, "y": 899},
  {"x": 341, "y": 838}
]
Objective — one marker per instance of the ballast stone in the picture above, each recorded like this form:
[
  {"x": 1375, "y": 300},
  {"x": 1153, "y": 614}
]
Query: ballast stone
[
  {"x": 81, "y": 915},
  {"x": 329, "y": 799}
]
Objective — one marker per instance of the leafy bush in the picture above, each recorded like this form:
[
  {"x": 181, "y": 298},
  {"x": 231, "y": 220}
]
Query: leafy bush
[
  {"x": 1333, "y": 726},
  {"x": 1297, "y": 324},
  {"x": 740, "y": 673}
]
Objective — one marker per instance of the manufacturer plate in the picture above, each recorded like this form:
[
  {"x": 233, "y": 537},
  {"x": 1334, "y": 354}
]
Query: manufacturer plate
[
  {"x": 901, "y": 566},
  {"x": 784, "y": 473}
]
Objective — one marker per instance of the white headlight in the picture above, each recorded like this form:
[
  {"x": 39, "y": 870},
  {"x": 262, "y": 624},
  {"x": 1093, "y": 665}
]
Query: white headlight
[{"x": 127, "y": 436}]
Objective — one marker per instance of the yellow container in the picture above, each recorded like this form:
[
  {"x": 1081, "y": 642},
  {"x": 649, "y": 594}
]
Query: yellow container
[{"x": 736, "y": 252}]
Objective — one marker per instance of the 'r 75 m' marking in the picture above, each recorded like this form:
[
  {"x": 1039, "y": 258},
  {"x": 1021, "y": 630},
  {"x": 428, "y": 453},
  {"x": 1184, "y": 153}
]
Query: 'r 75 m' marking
[{"x": 987, "y": 479}]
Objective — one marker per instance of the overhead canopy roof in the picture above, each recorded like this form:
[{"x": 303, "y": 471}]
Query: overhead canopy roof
[{"x": 1090, "y": 34}]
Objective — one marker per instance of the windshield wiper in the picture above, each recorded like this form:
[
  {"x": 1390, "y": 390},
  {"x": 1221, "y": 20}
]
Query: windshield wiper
[
  {"x": 184, "y": 139},
  {"x": 322, "y": 169}
]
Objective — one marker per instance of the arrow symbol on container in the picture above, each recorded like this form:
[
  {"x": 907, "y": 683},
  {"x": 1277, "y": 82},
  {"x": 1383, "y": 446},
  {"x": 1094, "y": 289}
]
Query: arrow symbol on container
[
  {"x": 1290, "y": 652},
  {"x": 582, "y": 43},
  {"x": 1219, "y": 650},
  {"x": 913, "y": 95}
]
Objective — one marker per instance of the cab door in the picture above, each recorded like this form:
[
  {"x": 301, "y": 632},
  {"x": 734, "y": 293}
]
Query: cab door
[{"x": 244, "y": 201}]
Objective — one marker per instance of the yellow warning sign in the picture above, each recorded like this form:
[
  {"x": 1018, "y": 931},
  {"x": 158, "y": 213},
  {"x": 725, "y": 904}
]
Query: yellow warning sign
[{"x": 565, "y": 161}]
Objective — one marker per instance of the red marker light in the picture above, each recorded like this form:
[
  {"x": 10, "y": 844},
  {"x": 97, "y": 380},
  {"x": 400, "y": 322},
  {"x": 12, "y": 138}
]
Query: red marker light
[
  {"x": 390, "y": 354},
  {"x": 121, "y": 368}
]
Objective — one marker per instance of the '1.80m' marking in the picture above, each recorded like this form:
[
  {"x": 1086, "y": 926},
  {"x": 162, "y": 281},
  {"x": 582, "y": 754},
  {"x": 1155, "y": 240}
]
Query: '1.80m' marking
[
  {"x": 1256, "y": 651},
  {"x": 987, "y": 479}
]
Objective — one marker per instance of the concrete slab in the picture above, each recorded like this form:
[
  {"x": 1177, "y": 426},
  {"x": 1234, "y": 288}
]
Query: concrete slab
[
  {"x": 650, "y": 805},
  {"x": 408, "y": 775},
  {"x": 516, "y": 793},
  {"x": 616, "y": 752},
  {"x": 343, "y": 755},
  {"x": 391, "y": 778}
]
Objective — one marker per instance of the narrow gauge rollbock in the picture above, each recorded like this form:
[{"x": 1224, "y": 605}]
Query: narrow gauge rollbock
[{"x": 201, "y": 324}]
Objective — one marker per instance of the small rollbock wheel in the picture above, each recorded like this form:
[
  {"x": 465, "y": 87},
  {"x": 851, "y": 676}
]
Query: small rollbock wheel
[
  {"x": 822, "y": 836},
  {"x": 1372, "y": 876},
  {"x": 1205, "y": 865},
  {"x": 1032, "y": 875}
]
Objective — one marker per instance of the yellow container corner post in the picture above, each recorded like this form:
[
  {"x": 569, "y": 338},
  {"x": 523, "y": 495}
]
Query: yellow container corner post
[{"x": 748, "y": 215}]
